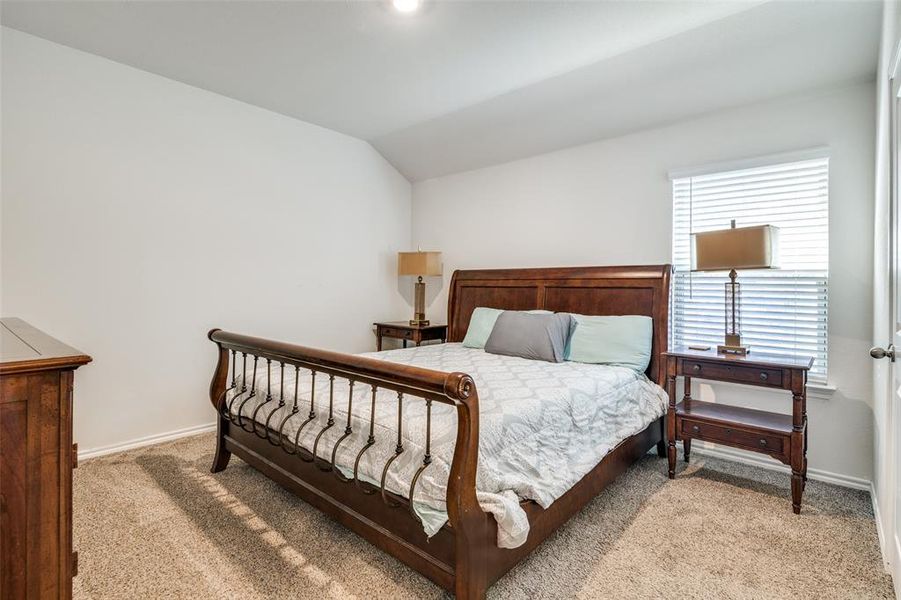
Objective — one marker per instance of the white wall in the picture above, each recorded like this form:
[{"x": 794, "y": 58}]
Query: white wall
[
  {"x": 138, "y": 213},
  {"x": 610, "y": 203}
]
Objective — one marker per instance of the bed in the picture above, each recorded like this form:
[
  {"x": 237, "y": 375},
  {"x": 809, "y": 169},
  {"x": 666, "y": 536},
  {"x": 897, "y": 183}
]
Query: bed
[{"x": 389, "y": 443}]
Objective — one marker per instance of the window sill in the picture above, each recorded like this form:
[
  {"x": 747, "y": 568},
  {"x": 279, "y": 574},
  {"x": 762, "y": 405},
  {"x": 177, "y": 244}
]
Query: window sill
[{"x": 820, "y": 391}]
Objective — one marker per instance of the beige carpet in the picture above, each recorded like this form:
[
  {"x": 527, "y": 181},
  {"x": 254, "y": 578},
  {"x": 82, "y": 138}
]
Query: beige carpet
[{"x": 154, "y": 523}]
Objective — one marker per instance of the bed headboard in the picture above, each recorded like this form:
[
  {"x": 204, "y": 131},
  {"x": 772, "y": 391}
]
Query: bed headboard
[{"x": 642, "y": 290}]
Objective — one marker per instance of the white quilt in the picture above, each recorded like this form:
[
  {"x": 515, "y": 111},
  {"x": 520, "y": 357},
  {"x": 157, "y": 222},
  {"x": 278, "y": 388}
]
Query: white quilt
[{"x": 543, "y": 426}]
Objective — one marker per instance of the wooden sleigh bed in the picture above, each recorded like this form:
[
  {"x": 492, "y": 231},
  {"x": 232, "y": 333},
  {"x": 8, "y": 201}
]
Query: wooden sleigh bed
[{"x": 463, "y": 557}]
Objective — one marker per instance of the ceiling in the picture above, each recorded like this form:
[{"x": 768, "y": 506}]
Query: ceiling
[{"x": 461, "y": 85}]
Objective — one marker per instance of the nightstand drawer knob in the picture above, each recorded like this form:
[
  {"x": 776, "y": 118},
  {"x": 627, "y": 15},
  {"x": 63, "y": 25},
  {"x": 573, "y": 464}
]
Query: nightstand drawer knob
[
  {"x": 764, "y": 376},
  {"x": 763, "y": 443},
  {"x": 696, "y": 368},
  {"x": 695, "y": 428}
]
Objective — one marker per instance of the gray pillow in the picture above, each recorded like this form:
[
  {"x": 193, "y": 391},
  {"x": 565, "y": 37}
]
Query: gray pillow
[{"x": 532, "y": 336}]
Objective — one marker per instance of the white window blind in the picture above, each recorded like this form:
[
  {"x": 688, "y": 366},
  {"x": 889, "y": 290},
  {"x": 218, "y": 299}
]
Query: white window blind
[{"x": 783, "y": 311}]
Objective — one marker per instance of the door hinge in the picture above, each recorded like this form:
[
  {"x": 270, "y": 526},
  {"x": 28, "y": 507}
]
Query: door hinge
[
  {"x": 74, "y": 564},
  {"x": 75, "y": 455}
]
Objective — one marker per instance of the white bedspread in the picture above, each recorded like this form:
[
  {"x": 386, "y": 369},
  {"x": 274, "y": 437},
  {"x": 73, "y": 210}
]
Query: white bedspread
[{"x": 543, "y": 426}]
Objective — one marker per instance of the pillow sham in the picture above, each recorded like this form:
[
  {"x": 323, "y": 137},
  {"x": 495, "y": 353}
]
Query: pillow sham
[
  {"x": 529, "y": 335},
  {"x": 620, "y": 340},
  {"x": 480, "y": 325}
]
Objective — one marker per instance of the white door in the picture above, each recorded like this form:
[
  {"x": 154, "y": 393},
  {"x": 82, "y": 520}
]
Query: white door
[
  {"x": 895, "y": 278},
  {"x": 892, "y": 445}
]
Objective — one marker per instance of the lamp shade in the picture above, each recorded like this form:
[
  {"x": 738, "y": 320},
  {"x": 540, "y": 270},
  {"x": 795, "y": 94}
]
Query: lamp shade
[
  {"x": 737, "y": 248},
  {"x": 419, "y": 263}
]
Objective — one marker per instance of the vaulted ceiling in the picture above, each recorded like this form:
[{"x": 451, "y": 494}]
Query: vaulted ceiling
[{"x": 461, "y": 85}]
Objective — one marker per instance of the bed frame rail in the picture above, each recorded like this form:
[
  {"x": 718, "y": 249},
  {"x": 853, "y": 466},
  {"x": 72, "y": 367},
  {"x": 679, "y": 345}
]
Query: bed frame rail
[{"x": 465, "y": 575}]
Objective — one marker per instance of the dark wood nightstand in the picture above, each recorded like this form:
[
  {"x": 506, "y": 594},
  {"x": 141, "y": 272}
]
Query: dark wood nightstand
[
  {"x": 784, "y": 437},
  {"x": 402, "y": 330}
]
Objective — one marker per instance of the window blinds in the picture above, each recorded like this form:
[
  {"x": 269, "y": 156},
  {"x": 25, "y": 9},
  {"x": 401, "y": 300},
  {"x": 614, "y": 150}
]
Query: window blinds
[{"x": 783, "y": 311}]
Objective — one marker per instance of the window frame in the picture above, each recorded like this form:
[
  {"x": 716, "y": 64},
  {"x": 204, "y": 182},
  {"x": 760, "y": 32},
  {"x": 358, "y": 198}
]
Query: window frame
[{"x": 819, "y": 386}]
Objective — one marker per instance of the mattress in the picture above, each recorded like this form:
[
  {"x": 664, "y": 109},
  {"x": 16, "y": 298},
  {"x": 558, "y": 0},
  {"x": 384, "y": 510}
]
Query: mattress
[{"x": 542, "y": 427}]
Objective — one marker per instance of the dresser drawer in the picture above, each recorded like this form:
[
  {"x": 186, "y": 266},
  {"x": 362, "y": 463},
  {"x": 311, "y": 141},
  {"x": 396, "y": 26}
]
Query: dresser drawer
[
  {"x": 762, "y": 442},
  {"x": 733, "y": 373},
  {"x": 404, "y": 334}
]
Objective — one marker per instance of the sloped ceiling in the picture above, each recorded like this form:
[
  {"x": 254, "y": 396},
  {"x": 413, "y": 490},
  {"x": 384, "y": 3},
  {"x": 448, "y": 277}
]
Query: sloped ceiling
[{"x": 461, "y": 85}]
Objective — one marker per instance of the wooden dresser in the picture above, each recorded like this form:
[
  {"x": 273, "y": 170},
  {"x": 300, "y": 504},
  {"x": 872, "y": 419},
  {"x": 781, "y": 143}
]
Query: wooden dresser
[{"x": 36, "y": 461}]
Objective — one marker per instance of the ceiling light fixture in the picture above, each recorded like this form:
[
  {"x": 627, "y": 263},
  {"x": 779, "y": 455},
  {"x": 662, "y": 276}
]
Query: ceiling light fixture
[{"x": 406, "y": 6}]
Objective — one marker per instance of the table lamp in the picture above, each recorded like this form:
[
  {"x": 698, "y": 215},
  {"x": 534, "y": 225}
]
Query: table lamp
[
  {"x": 735, "y": 248},
  {"x": 420, "y": 264}
]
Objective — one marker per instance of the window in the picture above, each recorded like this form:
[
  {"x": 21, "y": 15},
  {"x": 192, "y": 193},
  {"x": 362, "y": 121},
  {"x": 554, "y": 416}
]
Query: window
[{"x": 784, "y": 311}]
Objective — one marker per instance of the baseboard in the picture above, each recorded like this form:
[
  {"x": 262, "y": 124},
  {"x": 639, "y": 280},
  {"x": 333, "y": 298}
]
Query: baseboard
[
  {"x": 754, "y": 459},
  {"x": 150, "y": 440},
  {"x": 894, "y": 570},
  {"x": 884, "y": 549}
]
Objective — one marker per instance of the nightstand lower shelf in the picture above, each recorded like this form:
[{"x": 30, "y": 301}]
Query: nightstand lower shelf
[{"x": 745, "y": 428}]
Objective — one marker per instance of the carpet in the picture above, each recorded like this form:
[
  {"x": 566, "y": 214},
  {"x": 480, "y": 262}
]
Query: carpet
[{"x": 154, "y": 523}]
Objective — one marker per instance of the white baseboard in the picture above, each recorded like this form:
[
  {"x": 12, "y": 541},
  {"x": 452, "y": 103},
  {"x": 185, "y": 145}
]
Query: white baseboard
[
  {"x": 757, "y": 460},
  {"x": 894, "y": 570},
  {"x": 880, "y": 532},
  {"x": 150, "y": 440}
]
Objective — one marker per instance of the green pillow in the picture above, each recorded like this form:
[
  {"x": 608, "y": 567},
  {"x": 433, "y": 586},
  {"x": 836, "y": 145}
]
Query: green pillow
[
  {"x": 623, "y": 341},
  {"x": 480, "y": 325}
]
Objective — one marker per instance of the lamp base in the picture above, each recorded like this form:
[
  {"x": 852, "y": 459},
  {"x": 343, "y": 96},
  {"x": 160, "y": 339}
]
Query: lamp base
[
  {"x": 737, "y": 350},
  {"x": 419, "y": 319},
  {"x": 732, "y": 336}
]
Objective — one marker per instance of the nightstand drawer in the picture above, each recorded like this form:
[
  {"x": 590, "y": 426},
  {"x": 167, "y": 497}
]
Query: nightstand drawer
[
  {"x": 734, "y": 373},
  {"x": 762, "y": 442},
  {"x": 403, "y": 334}
]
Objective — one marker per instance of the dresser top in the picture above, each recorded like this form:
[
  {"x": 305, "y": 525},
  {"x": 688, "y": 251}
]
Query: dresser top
[
  {"x": 753, "y": 359},
  {"x": 24, "y": 348}
]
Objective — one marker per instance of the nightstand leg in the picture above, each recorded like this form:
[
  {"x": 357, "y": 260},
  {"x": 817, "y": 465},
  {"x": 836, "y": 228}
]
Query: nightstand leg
[
  {"x": 806, "y": 437},
  {"x": 671, "y": 457},
  {"x": 378, "y": 343},
  {"x": 671, "y": 418},
  {"x": 686, "y": 398},
  {"x": 797, "y": 489},
  {"x": 798, "y": 458}
]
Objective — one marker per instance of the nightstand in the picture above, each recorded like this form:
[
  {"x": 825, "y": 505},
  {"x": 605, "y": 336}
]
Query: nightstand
[
  {"x": 402, "y": 330},
  {"x": 784, "y": 437}
]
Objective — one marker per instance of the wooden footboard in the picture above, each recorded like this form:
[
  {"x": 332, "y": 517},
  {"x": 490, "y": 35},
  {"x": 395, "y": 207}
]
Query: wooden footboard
[{"x": 456, "y": 557}]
